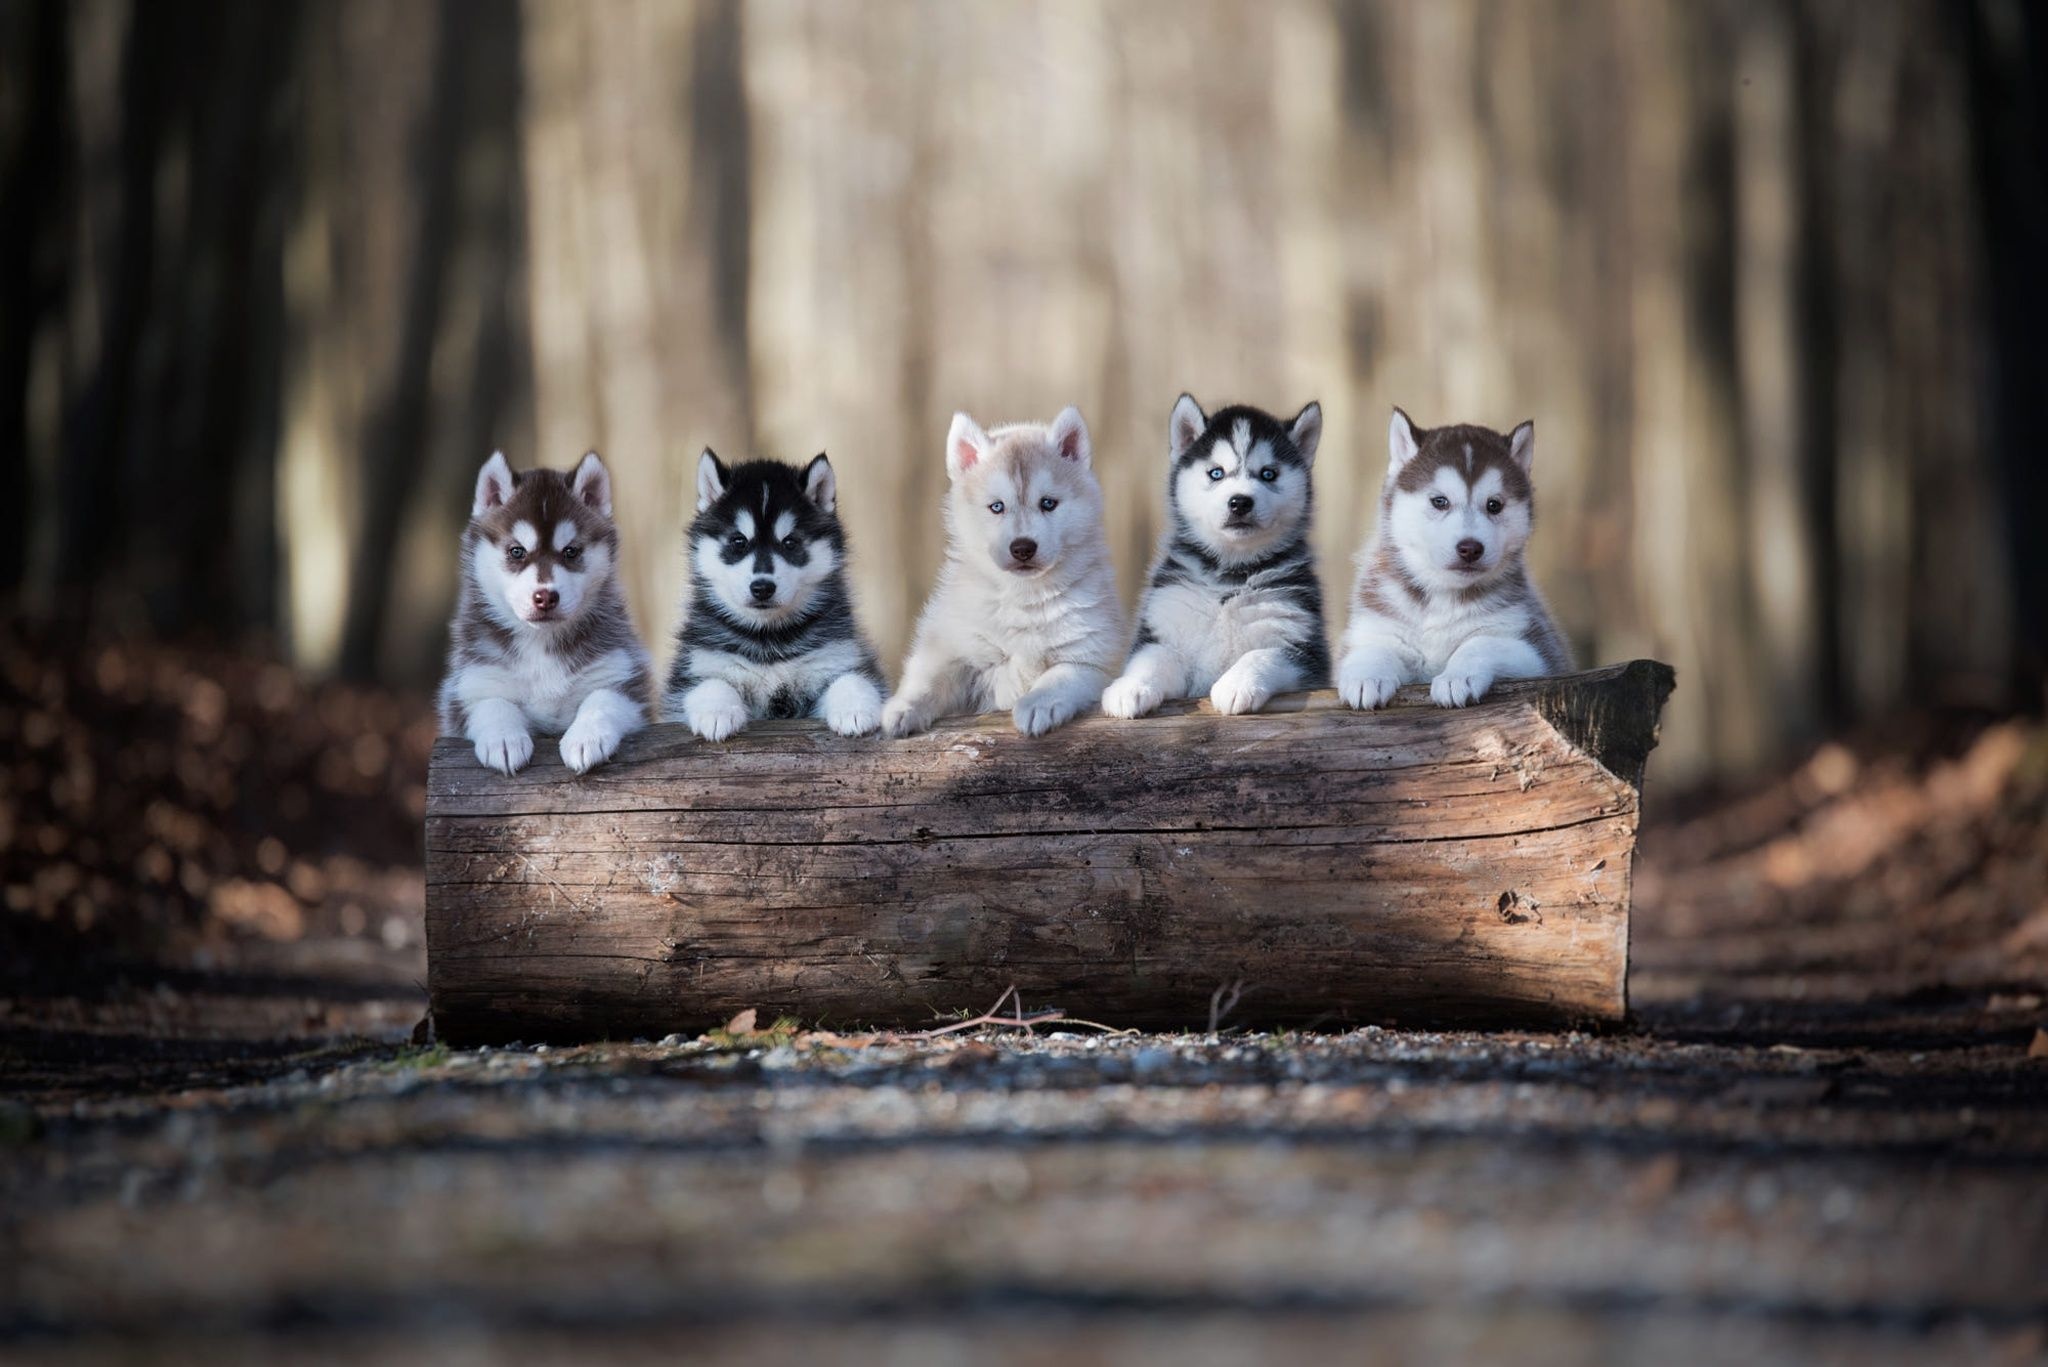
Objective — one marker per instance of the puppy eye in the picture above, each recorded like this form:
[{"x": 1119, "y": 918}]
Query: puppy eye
[
  {"x": 1439, "y": 502},
  {"x": 1494, "y": 505},
  {"x": 1215, "y": 472},
  {"x": 515, "y": 552},
  {"x": 996, "y": 507},
  {"x": 1046, "y": 505},
  {"x": 735, "y": 540},
  {"x": 572, "y": 554},
  {"x": 1269, "y": 474},
  {"x": 790, "y": 543}
]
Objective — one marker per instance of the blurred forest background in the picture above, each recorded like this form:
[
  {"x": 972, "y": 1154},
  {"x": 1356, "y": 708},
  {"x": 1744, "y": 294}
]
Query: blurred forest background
[{"x": 275, "y": 277}]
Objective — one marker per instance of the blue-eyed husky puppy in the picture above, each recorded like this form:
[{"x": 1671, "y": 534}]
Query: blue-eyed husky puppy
[
  {"x": 768, "y": 628},
  {"x": 1234, "y": 609},
  {"x": 1443, "y": 592},
  {"x": 1025, "y": 614},
  {"x": 541, "y": 638}
]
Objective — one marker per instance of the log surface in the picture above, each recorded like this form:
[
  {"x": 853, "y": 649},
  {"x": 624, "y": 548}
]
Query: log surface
[{"x": 1413, "y": 865}]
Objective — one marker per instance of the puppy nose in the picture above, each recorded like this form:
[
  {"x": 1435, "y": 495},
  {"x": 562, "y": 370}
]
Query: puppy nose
[
  {"x": 1022, "y": 549},
  {"x": 1470, "y": 550},
  {"x": 545, "y": 599},
  {"x": 1240, "y": 503},
  {"x": 762, "y": 589}
]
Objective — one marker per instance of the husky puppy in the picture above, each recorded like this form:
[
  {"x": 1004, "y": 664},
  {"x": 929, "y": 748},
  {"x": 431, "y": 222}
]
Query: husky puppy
[
  {"x": 768, "y": 628},
  {"x": 1443, "y": 593},
  {"x": 1025, "y": 615},
  {"x": 541, "y": 638},
  {"x": 1234, "y": 609}
]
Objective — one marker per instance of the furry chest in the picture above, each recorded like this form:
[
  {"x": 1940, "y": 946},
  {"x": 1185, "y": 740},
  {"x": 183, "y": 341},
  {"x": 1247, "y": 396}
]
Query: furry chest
[
  {"x": 1439, "y": 634},
  {"x": 1210, "y": 626},
  {"x": 779, "y": 688}
]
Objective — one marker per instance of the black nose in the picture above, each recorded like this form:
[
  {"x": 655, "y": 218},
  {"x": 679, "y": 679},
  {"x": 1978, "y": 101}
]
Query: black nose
[
  {"x": 1240, "y": 503},
  {"x": 1022, "y": 549},
  {"x": 1470, "y": 550},
  {"x": 762, "y": 589},
  {"x": 546, "y": 599}
]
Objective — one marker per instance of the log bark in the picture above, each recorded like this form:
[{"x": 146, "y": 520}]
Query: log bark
[{"x": 1412, "y": 866}]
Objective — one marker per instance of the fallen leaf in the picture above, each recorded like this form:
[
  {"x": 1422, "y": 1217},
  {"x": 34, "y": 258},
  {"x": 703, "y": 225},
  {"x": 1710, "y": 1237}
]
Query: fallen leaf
[{"x": 742, "y": 1024}]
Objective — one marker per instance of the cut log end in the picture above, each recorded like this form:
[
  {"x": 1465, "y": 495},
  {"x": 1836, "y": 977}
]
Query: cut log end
[{"x": 1415, "y": 865}]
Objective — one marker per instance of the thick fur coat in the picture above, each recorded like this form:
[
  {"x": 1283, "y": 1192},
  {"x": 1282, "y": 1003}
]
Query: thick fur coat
[
  {"x": 1025, "y": 614},
  {"x": 1443, "y": 593}
]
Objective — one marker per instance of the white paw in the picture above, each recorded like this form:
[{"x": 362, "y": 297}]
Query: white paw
[
  {"x": 587, "y": 744},
  {"x": 1360, "y": 687},
  {"x": 904, "y": 718},
  {"x": 716, "y": 721},
  {"x": 855, "y": 716},
  {"x": 505, "y": 750},
  {"x": 1038, "y": 713},
  {"x": 1130, "y": 696},
  {"x": 1449, "y": 689},
  {"x": 1237, "y": 693}
]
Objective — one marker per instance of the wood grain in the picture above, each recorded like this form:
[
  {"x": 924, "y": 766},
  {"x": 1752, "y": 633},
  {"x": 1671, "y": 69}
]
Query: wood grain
[{"x": 1413, "y": 865}]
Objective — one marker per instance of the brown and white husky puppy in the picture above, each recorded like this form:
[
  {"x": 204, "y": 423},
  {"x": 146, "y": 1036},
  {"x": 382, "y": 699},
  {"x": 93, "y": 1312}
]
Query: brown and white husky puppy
[
  {"x": 1025, "y": 615},
  {"x": 541, "y": 639},
  {"x": 1443, "y": 593}
]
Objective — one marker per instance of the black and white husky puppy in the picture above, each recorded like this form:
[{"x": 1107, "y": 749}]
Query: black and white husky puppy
[
  {"x": 541, "y": 638},
  {"x": 768, "y": 628},
  {"x": 1234, "y": 609},
  {"x": 1443, "y": 592}
]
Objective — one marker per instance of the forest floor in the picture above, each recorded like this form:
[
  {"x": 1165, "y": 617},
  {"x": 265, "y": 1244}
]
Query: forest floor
[{"x": 1823, "y": 1137}]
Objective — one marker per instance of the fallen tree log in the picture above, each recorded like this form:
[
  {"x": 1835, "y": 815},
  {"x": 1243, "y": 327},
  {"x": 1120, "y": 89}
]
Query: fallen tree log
[{"x": 1416, "y": 865}]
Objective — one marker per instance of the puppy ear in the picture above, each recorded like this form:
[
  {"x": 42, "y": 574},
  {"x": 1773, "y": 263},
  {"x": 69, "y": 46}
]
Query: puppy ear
[
  {"x": 1306, "y": 431},
  {"x": 820, "y": 487},
  {"x": 493, "y": 485},
  {"x": 1522, "y": 445},
  {"x": 1402, "y": 442},
  {"x": 592, "y": 483},
  {"x": 1070, "y": 436},
  {"x": 966, "y": 443},
  {"x": 1184, "y": 426},
  {"x": 711, "y": 479}
]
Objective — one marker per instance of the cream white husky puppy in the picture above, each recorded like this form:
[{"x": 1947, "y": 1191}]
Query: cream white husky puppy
[
  {"x": 1025, "y": 615},
  {"x": 1444, "y": 593}
]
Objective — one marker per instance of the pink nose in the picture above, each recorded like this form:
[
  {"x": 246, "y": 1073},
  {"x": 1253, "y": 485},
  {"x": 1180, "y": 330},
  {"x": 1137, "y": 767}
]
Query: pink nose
[{"x": 546, "y": 599}]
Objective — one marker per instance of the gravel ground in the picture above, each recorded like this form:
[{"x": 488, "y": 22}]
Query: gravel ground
[{"x": 1823, "y": 1138}]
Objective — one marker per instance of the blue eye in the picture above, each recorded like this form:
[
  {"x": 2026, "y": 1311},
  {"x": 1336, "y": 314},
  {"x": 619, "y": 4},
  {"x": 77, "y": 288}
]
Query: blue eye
[
  {"x": 996, "y": 507},
  {"x": 1215, "y": 472},
  {"x": 1439, "y": 502},
  {"x": 1046, "y": 505},
  {"x": 1269, "y": 474}
]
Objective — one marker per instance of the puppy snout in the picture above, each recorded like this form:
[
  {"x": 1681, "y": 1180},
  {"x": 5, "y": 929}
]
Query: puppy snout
[
  {"x": 762, "y": 590},
  {"x": 1023, "y": 549},
  {"x": 1470, "y": 550},
  {"x": 1240, "y": 504},
  {"x": 546, "y": 600}
]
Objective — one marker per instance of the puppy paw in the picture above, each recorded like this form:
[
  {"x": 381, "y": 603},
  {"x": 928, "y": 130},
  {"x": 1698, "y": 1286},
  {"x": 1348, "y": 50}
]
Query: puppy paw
[
  {"x": 903, "y": 717},
  {"x": 716, "y": 721},
  {"x": 1038, "y": 713},
  {"x": 1239, "y": 692},
  {"x": 507, "y": 750},
  {"x": 587, "y": 744},
  {"x": 1456, "y": 689},
  {"x": 1130, "y": 696},
  {"x": 1359, "y": 687},
  {"x": 855, "y": 716}
]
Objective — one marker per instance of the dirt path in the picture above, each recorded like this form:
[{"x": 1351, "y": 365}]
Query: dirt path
[{"x": 1824, "y": 1139}]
